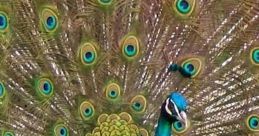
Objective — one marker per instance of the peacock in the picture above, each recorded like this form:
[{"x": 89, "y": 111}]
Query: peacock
[{"x": 129, "y": 67}]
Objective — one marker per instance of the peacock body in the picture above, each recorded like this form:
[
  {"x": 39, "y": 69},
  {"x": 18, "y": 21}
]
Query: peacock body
[{"x": 129, "y": 67}]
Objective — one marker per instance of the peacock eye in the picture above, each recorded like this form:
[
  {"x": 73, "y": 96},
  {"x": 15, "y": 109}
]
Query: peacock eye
[
  {"x": 191, "y": 67},
  {"x": 138, "y": 104},
  {"x": 184, "y": 7},
  {"x": 113, "y": 94},
  {"x": 2, "y": 90},
  {"x": 112, "y": 91},
  {"x": 61, "y": 130},
  {"x": 88, "y": 54},
  {"x": 45, "y": 87},
  {"x": 253, "y": 123},
  {"x": 86, "y": 110},
  {"x": 255, "y": 56},
  {"x": 3, "y": 21},
  {"x": 105, "y": 2},
  {"x": 171, "y": 107},
  {"x": 178, "y": 126},
  {"x": 130, "y": 50},
  {"x": 89, "y": 57},
  {"x": 8, "y": 134},
  {"x": 130, "y": 47},
  {"x": 49, "y": 20}
]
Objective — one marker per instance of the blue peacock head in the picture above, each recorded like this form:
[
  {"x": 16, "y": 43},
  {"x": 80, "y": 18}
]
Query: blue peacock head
[{"x": 175, "y": 107}]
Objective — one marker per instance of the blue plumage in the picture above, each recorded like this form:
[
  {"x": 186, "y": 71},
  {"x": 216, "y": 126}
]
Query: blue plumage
[
  {"x": 172, "y": 110},
  {"x": 179, "y": 100}
]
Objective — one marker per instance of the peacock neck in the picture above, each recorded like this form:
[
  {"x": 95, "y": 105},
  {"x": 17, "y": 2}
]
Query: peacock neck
[{"x": 164, "y": 126}]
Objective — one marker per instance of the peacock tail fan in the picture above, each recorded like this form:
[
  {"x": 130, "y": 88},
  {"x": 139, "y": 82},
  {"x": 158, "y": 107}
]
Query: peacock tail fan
[{"x": 129, "y": 67}]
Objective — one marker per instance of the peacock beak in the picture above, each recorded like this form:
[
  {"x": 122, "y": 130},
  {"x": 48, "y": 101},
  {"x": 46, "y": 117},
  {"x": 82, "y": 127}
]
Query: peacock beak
[{"x": 183, "y": 118}]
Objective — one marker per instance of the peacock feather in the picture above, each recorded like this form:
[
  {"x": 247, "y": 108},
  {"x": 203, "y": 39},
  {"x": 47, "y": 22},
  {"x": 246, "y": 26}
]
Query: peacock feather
[{"x": 129, "y": 67}]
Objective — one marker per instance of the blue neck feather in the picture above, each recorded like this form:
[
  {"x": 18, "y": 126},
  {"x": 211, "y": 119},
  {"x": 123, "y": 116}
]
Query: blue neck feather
[{"x": 164, "y": 127}]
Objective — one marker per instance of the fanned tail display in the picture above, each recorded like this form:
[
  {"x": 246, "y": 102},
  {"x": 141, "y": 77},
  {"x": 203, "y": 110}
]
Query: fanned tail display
[{"x": 129, "y": 67}]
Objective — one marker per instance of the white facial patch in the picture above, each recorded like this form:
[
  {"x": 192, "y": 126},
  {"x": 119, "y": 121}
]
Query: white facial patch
[
  {"x": 180, "y": 116},
  {"x": 167, "y": 107}
]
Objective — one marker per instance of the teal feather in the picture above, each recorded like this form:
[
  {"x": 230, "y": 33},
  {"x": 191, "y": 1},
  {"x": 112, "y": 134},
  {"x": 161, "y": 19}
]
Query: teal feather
[{"x": 164, "y": 127}]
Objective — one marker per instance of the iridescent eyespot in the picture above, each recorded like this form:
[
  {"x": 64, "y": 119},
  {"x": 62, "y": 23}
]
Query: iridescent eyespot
[
  {"x": 2, "y": 90},
  {"x": 86, "y": 110},
  {"x": 105, "y": 2},
  {"x": 44, "y": 87},
  {"x": 252, "y": 123},
  {"x": 112, "y": 91},
  {"x": 130, "y": 47},
  {"x": 178, "y": 126},
  {"x": 138, "y": 104},
  {"x": 191, "y": 67},
  {"x": 184, "y": 7},
  {"x": 89, "y": 57},
  {"x": 254, "y": 55},
  {"x": 130, "y": 50},
  {"x": 3, "y": 21},
  {"x": 6, "y": 133},
  {"x": 49, "y": 19},
  {"x": 88, "y": 54},
  {"x": 61, "y": 130}
]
